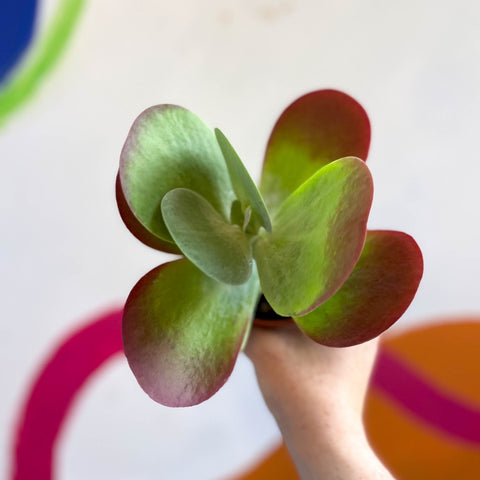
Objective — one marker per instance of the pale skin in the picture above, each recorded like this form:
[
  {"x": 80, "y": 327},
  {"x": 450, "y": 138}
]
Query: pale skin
[{"x": 316, "y": 395}]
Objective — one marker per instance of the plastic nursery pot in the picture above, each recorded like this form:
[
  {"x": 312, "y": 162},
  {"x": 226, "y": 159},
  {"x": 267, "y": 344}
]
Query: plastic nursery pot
[{"x": 266, "y": 317}]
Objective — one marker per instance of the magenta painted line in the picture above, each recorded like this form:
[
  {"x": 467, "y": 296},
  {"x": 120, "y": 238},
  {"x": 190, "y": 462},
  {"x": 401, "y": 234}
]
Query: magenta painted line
[
  {"x": 407, "y": 388},
  {"x": 53, "y": 391}
]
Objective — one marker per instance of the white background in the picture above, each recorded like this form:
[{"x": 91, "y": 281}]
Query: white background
[{"x": 65, "y": 255}]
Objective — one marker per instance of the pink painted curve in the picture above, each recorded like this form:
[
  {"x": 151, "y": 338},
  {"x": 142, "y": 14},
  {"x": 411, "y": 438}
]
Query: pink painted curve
[
  {"x": 426, "y": 402},
  {"x": 55, "y": 388}
]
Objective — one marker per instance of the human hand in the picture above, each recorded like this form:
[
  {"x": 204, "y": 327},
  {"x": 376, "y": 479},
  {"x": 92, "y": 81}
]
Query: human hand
[{"x": 316, "y": 395}]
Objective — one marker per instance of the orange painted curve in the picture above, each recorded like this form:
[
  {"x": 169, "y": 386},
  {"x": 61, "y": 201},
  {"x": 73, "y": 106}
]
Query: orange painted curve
[{"x": 446, "y": 356}]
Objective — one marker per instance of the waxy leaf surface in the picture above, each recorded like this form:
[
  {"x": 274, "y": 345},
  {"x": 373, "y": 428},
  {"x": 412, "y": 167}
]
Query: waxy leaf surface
[
  {"x": 169, "y": 147},
  {"x": 318, "y": 235},
  {"x": 136, "y": 228},
  {"x": 316, "y": 129},
  {"x": 378, "y": 291},
  {"x": 182, "y": 331},
  {"x": 242, "y": 183},
  {"x": 218, "y": 248}
]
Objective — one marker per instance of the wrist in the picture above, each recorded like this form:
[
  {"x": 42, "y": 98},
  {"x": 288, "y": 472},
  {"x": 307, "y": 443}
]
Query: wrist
[
  {"x": 330, "y": 446},
  {"x": 325, "y": 421},
  {"x": 319, "y": 396}
]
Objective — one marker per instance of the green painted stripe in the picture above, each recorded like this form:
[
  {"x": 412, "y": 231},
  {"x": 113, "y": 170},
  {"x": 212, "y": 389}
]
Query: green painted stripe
[{"x": 42, "y": 59}]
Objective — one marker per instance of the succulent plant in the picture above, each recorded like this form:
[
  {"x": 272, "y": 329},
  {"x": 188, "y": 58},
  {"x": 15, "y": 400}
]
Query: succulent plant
[{"x": 301, "y": 240}]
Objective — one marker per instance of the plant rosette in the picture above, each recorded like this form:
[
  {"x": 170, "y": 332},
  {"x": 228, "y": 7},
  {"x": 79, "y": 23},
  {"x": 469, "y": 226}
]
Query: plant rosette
[{"x": 301, "y": 240}]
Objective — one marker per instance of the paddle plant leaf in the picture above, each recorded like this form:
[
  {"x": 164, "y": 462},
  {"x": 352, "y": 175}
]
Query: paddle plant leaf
[
  {"x": 375, "y": 295},
  {"x": 314, "y": 130},
  {"x": 318, "y": 235},
  {"x": 242, "y": 183},
  {"x": 169, "y": 147},
  {"x": 182, "y": 331},
  {"x": 218, "y": 248},
  {"x": 136, "y": 228}
]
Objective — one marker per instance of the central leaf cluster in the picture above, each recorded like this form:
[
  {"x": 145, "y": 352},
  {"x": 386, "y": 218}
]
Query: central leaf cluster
[
  {"x": 186, "y": 186},
  {"x": 318, "y": 234}
]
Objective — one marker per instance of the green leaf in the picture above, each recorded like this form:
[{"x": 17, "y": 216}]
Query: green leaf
[
  {"x": 169, "y": 147},
  {"x": 236, "y": 215},
  {"x": 136, "y": 228},
  {"x": 221, "y": 250},
  {"x": 318, "y": 235},
  {"x": 243, "y": 185},
  {"x": 375, "y": 295},
  {"x": 182, "y": 332},
  {"x": 314, "y": 130}
]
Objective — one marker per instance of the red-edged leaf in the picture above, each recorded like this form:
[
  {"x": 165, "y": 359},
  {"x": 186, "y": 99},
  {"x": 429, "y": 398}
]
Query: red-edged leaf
[
  {"x": 182, "y": 331},
  {"x": 136, "y": 228},
  {"x": 317, "y": 237},
  {"x": 378, "y": 291},
  {"x": 314, "y": 130},
  {"x": 169, "y": 147}
]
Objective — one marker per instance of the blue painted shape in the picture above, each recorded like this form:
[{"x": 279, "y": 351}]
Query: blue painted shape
[{"x": 16, "y": 30}]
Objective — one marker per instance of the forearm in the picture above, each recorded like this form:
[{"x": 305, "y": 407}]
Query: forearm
[
  {"x": 316, "y": 396},
  {"x": 326, "y": 441},
  {"x": 330, "y": 448}
]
